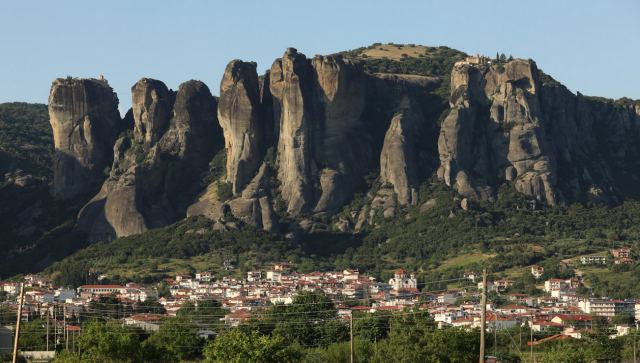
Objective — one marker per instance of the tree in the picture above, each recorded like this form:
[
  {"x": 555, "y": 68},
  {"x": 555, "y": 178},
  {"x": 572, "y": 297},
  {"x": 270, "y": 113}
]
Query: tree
[
  {"x": 206, "y": 312},
  {"x": 311, "y": 319},
  {"x": 503, "y": 58},
  {"x": 624, "y": 318},
  {"x": 414, "y": 337},
  {"x": 371, "y": 326},
  {"x": 150, "y": 305},
  {"x": 177, "y": 338},
  {"x": 237, "y": 346},
  {"x": 109, "y": 342},
  {"x": 33, "y": 335}
]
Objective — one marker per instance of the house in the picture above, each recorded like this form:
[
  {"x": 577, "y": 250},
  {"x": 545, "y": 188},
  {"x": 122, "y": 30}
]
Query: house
[
  {"x": 477, "y": 59},
  {"x": 606, "y": 307},
  {"x": 146, "y": 322},
  {"x": 206, "y": 276},
  {"x": 183, "y": 278},
  {"x": 544, "y": 326},
  {"x": 515, "y": 309},
  {"x": 350, "y": 275},
  {"x": 10, "y": 288},
  {"x": 274, "y": 276},
  {"x": 621, "y": 330},
  {"x": 234, "y": 318},
  {"x": 254, "y": 276},
  {"x": 282, "y": 266},
  {"x": 401, "y": 281},
  {"x": 559, "y": 287},
  {"x": 623, "y": 261},
  {"x": 471, "y": 276},
  {"x": 503, "y": 284},
  {"x": 637, "y": 309},
  {"x": 572, "y": 320},
  {"x": 537, "y": 271},
  {"x": 623, "y": 252},
  {"x": 496, "y": 321},
  {"x": 87, "y": 291},
  {"x": 490, "y": 286},
  {"x": 593, "y": 260},
  {"x": 447, "y": 297}
]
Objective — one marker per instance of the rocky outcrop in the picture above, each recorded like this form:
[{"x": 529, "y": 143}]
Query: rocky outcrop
[
  {"x": 240, "y": 115},
  {"x": 398, "y": 163},
  {"x": 151, "y": 184},
  {"x": 303, "y": 138},
  {"x": 494, "y": 133},
  {"x": 512, "y": 123},
  {"x": 253, "y": 206},
  {"x": 291, "y": 82},
  {"x": 151, "y": 106},
  {"x": 85, "y": 120},
  {"x": 339, "y": 135},
  {"x": 318, "y": 105}
]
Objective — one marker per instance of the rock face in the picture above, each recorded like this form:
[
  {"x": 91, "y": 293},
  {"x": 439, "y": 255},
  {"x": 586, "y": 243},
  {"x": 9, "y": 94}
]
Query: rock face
[
  {"x": 240, "y": 115},
  {"x": 318, "y": 106},
  {"x": 339, "y": 145},
  {"x": 85, "y": 121},
  {"x": 151, "y": 106},
  {"x": 397, "y": 162},
  {"x": 291, "y": 81},
  {"x": 303, "y": 138},
  {"x": 512, "y": 123},
  {"x": 155, "y": 174}
]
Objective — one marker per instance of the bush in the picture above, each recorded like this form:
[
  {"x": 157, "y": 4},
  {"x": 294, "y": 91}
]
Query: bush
[{"x": 224, "y": 191}]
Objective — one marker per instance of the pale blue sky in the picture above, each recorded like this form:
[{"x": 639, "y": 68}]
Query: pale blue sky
[{"x": 590, "y": 46}]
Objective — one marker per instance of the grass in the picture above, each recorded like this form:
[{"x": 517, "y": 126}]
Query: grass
[
  {"x": 466, "y": 259},
  {"x": 396, "y": 51}
]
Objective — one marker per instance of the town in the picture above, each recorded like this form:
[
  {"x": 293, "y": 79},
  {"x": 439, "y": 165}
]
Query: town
[{"x": 558, "y": 310}]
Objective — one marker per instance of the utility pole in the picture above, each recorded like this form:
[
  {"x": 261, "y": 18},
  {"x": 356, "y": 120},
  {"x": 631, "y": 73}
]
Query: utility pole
[
  {"x": 531, "y": 330},
  {"x": 495, "y": 335},
  {"x": 47, "y": 329},
  {"x": 635, "y": 336},
  {"x": 55, "y": 327},
  {"x": 351, "y": 336},
  {"x": 483, "y": 313},
  {"x": 19, "y": 318},
  {"x": 64, "y": 323}
]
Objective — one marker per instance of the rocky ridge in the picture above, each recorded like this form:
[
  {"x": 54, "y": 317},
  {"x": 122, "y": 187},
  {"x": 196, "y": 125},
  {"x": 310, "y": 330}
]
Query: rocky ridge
[
  {"x": 304, "y": 137},
  {"x": 511, "y": 123}
]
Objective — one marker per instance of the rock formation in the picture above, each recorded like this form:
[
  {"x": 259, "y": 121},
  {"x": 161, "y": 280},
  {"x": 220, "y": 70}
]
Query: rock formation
[
  {"x": 512, "y": 123},
  {"x": 85, "y": 121},
  {"x": 397, "y": 160},
  {"x": 291, "y": 87},
  {"x": 339, "y": 141},
  {"x": 151, "y": 106},
  {"x": 240, "y": 116},
  {"x": 303, "y": 138},
  {"x": 318, "y": 106},
  {"x": 152, "y": 183}
]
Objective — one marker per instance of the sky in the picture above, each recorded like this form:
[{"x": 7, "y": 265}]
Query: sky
[{"x": 590, "y": 46}]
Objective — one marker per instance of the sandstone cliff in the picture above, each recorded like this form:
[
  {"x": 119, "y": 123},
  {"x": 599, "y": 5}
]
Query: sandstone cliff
[
  {"x": 304, "y": 138},
  {"x": 512, "y": 123},
  {"x": 84, "y": 117},
  {"x": 156, "y": 173},
  {"x": 240, "y": 115}
]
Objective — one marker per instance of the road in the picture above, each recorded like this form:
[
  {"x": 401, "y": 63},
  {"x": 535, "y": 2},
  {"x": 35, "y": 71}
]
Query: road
[{"x": 6, "y": 340}]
